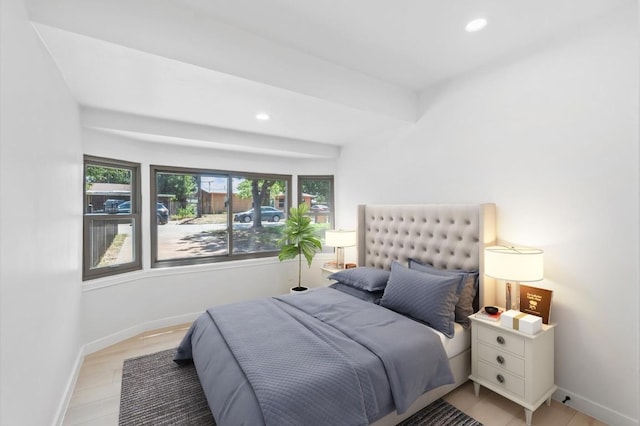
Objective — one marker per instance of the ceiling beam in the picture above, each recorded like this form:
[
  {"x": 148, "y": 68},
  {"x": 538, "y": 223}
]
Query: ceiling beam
[
  {"x": 180, "y": 133},
  {"x": 171, "y": 30}
]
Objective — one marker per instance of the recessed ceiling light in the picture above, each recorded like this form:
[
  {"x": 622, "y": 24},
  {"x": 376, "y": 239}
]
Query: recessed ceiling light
[
  {"x": 262, "y": 116},
  {"x": 476, "y": 25}
]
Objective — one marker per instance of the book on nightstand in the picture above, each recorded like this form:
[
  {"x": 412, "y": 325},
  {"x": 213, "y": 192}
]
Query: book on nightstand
[
  {"x": 483, "y": 315},
  {"x": 536, "y": 301}
]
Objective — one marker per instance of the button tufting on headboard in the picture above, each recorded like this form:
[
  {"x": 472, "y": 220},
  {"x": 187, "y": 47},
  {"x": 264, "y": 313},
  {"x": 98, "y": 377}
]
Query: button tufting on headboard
[{"x": 446, "y": 236}]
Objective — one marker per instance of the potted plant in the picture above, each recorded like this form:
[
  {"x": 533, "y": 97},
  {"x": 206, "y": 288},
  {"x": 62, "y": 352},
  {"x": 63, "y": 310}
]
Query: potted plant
[{"x": 299, "y": 239}]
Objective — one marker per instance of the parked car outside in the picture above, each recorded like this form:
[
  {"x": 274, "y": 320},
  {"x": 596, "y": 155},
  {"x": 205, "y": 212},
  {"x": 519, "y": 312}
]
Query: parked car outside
[
  {"x": 162, "y": 212},
  {"x": 124, "y": 207},
  {"x": 111, "y": 206},
  {"x": 268, "y": 213},
  {"x": 319, "y": 208}
]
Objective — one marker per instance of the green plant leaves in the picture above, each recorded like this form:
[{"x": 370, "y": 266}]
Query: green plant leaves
[{"x": 298, "y": 237}]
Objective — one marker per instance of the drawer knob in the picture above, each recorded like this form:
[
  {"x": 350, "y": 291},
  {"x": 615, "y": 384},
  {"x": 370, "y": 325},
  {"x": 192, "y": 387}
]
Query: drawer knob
[
  {"x": 500, "y": 378},
  {"x": 500, "y": 359},
  {"x": 500, "y": 340}
]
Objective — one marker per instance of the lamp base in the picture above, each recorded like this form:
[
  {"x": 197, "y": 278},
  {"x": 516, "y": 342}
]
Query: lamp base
[
  {"x": 340, "y": 257},
  {"x": 512, "y": 296}
]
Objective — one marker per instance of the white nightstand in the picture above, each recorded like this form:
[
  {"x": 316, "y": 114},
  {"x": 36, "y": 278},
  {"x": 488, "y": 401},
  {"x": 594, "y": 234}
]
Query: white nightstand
[
  {"x": 516, "y": 365},
  {"x": 326, "y": 271}
]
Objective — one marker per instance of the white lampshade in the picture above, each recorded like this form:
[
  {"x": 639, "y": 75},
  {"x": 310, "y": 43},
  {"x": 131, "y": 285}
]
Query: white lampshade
[
  {"x": 514, "y": 263},
  {"x": 339, "y": 238}
]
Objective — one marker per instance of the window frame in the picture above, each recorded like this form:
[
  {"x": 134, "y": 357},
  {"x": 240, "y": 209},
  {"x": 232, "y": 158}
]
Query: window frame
[
  {"x": 331, "y": 179},
  {"x": 230, "y": 175},
  {"x": 332, "y": 216},
  {"x": 134, "y": 216}
]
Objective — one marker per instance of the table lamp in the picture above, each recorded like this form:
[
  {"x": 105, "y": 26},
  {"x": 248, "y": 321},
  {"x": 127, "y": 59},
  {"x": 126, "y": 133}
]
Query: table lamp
[
  {"x": 513, "y": 264},
  {"x": 339, "y": 239}
]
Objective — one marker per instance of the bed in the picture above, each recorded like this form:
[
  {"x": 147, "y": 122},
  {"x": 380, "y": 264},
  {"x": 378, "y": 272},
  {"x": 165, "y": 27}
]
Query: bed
[{"x": 327, "y": 357}]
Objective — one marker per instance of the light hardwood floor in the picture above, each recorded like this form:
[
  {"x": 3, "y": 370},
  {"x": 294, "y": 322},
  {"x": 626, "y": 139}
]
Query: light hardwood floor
[{"x": 96, "y": 397}]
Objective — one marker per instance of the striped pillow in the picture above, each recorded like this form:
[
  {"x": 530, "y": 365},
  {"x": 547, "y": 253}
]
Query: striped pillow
[
  {"x": 428, "y": 298},
  {"x": 364, "y": 277},
  {"x": 467, "y": 288}
]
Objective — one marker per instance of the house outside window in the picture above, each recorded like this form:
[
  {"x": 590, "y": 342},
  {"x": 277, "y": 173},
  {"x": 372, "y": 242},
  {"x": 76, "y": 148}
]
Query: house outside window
[
  {"x": 213, "y": 215},
  {"x": 111, "y": 217}
]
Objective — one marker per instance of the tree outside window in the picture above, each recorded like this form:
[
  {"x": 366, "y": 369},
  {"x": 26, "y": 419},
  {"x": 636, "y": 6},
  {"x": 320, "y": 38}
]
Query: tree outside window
[{"x": 214, "y": 215}]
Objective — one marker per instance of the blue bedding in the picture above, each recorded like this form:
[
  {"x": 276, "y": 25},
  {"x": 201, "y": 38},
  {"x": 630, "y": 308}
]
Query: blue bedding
[{"x": 317, "y": 358}]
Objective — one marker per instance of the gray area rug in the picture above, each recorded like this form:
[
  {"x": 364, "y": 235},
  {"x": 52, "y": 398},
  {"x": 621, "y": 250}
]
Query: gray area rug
[
  {"x": 440, "y": 413},
  {"x": 156, "y": 391}
]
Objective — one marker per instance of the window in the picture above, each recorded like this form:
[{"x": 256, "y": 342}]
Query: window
[
  {"x": 317, "y": 193},
  {"x": 212, "y": 215},
  {"x": 111, "y": 225}
]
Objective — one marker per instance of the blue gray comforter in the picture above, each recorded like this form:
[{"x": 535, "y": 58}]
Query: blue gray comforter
[{"x": 317, "y": 358}]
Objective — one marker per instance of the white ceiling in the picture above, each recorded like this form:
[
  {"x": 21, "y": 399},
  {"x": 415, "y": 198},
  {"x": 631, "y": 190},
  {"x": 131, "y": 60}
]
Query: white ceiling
[{"x": 328, "y": 72}]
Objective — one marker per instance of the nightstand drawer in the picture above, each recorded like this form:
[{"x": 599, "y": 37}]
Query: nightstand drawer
[
  {"x": 501, "y": 359},
  {"x": 504, "y": 340},
  {"x": 501, "y": 378}
]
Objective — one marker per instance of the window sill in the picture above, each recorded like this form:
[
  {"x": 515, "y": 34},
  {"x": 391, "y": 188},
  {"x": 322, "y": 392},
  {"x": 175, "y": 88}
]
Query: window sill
[{"x": 128, "y": 277}]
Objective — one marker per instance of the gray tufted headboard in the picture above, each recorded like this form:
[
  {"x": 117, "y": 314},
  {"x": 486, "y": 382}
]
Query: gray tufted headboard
[{"x": 448, "y": 236}]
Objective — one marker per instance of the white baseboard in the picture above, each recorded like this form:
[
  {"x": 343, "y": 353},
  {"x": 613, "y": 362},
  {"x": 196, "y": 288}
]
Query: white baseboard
[
  {"x": 104, "y": 342},
  {"x": 593, "y": 409},
  {"x": 114, "y": 338},
  {"x": 71, "y": 384}
]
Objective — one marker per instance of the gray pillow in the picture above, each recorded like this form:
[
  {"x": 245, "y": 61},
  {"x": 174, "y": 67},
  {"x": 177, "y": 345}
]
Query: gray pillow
[
  {"x": 364, "y": 277},
  {"x": 425, "y": 297},
  {"x": 368, "y": 296},
  {"x": 466, "y": 290}
]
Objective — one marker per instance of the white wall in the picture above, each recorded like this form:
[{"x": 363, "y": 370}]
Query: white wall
[
  {"x": 118, "y": 307},
  {"x": 40, "y": 227},
  {"x": 552, "y": 139}
]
